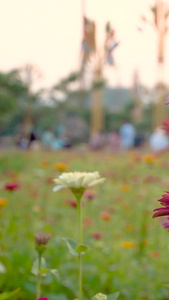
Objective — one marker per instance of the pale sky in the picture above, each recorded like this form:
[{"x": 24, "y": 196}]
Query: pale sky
[{"x": 48, "y": 33}]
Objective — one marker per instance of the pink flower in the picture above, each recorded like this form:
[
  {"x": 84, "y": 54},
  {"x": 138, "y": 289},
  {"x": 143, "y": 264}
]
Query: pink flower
[
  {"x": 97, "y": 235},
  {"x": 89, "y": 194},
  {"x": 165, "y": 125},
  {"x": 162, "y": 211},
  {"x": 167, "y": 101},
  {"x": 43, "y": 298},
  {"x": 12, "y": 186}
]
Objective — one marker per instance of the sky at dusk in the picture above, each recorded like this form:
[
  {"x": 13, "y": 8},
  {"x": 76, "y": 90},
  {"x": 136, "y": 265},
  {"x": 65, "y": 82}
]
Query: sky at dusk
[{"x": 48, "y": 34}]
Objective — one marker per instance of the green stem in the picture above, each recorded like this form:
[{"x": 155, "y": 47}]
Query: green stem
[
  {"x": 38, "y": 277},
  {"x": 79, "y": 210}
]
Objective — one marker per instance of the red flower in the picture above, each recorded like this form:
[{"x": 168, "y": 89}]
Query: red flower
[
  {"x": 162, "y": 211},
  {"x": 12, "y": 186},
  {"x": 71, "y": 203}
]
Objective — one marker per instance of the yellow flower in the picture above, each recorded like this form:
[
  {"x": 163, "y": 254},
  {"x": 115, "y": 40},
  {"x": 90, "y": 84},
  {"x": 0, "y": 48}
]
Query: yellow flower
[
  {"x": 127, "y": 244},
  {"x": 149, "y": 159},
  {"x": 77, "y": 180},
  {"x": 60, "y": 167},
  {"x": 3, "y": 202},
  {"x": 125, "y": 188}
]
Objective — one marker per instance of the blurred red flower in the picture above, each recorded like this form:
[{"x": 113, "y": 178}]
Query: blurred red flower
[
  {"x": 71, "y": 203},
  {"x": 12, "y": 186}
]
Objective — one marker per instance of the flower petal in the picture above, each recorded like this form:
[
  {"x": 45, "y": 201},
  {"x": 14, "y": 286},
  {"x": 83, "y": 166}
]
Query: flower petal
[
  {"x": 97, "y": 181},
  {"x": 58, "y": 187}
]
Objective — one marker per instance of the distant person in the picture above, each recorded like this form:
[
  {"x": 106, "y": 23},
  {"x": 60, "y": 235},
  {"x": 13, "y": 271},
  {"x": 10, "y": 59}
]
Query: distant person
[
  {"x": 57, "y": 143},
  {"x": 97, "y": 141},
  {"x": 138, "y": 140},
  {"x": 114, "y": 141},
  {"x": 159, "y": 141},
  {"x": 32, "y": 138},
  {"x": 47, "y": 139},
  {"x": 127, "y": 134}
]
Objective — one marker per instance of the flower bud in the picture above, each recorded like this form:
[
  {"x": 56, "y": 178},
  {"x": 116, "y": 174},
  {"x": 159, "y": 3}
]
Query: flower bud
[{"x": 41, "y": 240}]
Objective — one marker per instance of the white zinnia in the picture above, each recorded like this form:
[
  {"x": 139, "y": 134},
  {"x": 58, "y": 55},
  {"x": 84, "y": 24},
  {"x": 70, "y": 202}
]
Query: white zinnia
[{"x": 77, "y": 180}]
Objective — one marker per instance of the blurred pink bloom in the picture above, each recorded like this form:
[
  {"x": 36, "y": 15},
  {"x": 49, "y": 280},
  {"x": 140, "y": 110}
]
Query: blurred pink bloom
[
  {"x": 165, "y": 223},
  {"x": 89, "y": 194},
  {"x": 97, "y": 235},
  {"x": 167, "y": 101},
  {"x": 12, "y": 186},
  {"x": 43, "y": 298},
  {"x": 88, "y": 222},
  {"x": 165, "y": 125}
]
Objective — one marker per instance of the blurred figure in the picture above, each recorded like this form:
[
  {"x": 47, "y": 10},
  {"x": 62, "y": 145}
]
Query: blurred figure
[
  {"x": 127, "y": 134},
  {"x": 57, "y": 143},
  {"x": 47, "y": 139},
  {"x": 32, "y": 138},
  {"x": 97, "y": 141},
  {"x": 138, "y": 140},
  {"x": 159, "y": 141},
  {"x": 114, "y": 141}
]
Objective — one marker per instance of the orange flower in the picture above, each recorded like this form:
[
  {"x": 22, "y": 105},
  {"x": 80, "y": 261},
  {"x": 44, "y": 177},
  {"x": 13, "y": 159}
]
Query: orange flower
[
  {"x": 127, "y": 244},
  {"x": 60, "y": 167},
  {"x": 3, "y": 202},
  {"x": 45, "y": 164},
  {"x": 88, "y": 222},
  {"x": 125, "y": 188},
  {"x": 155, "y": 254},
  {"x": 105, "y": 216},
  {"x": 129, "y": 227},
  {"x": 149, "y": 159}
]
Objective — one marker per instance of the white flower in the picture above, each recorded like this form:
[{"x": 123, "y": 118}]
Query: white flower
[
  {"x": 77, "y": 180},
  {"x": 100, "y": 296}
]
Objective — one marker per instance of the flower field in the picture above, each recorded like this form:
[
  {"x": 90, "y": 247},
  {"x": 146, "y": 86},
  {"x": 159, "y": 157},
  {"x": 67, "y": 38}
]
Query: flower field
[{"x": 128, "y": 250}]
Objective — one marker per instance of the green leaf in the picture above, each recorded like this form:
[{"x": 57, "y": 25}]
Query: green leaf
[
  {"x": 166, "y": 285},
  {"x": 54, "y": 272},
  {"x": 81, "y": 249},
  {"x": 72, "y": 245},
  {"x": 113, "y": 296},
  {"x": 35, "y": 268},
  {"x": 2, "y": 268},
  {"x": 8, "y": 295}
]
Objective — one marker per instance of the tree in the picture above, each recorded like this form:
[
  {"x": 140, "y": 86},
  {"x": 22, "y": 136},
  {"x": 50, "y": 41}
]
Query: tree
[{"x": 12, "y": 91}]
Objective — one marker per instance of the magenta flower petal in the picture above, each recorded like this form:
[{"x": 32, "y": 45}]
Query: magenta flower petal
[
  {"x": 43, "y": 298},
  {"x": 160, "y": 212}
]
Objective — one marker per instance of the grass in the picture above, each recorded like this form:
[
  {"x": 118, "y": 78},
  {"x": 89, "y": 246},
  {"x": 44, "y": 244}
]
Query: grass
[{"x": 131, "y": 255}]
